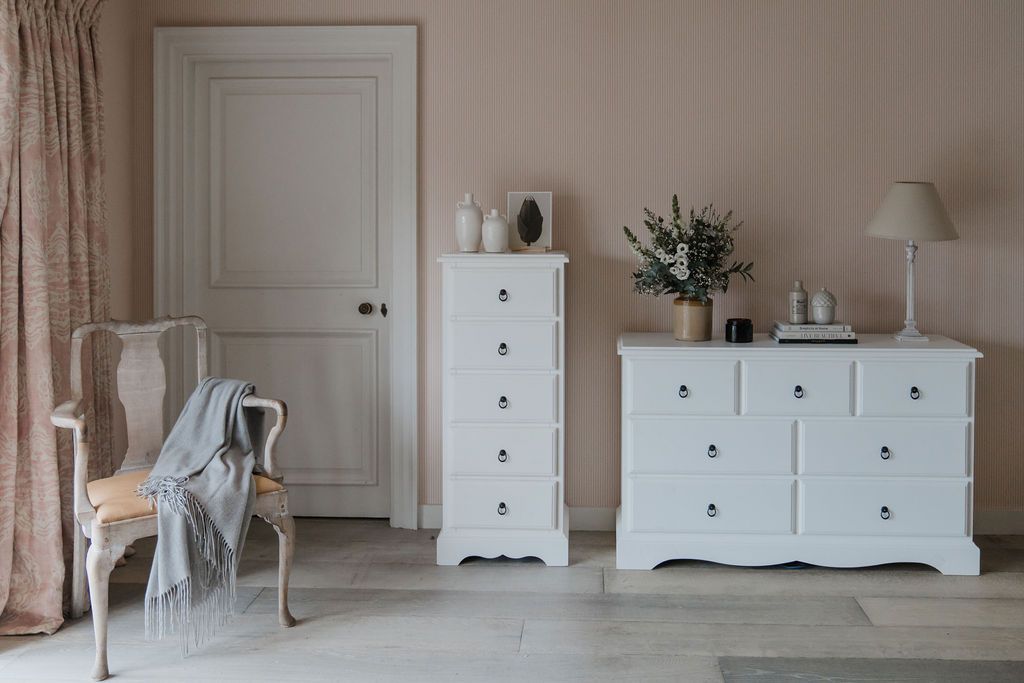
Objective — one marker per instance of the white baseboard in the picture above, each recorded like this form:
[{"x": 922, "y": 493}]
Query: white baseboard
[
  {"x": 580, "y": 519},
  {"x": 591, "y": 519},
  {"x": 429, "y": 517},
  {"x": 1009, "y": 522}
]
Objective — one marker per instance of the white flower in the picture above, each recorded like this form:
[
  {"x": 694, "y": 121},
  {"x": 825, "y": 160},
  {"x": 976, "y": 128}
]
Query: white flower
[
  {"x": 664, "y": 257},
  {"x": 680, "y": 271},
  {"x": 682, "y": 249}
]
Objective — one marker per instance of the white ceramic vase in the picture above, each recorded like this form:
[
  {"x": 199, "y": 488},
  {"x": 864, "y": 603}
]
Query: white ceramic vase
[
  {"x": 469, "y": 219},
  {"x": 495, "y": 233}
]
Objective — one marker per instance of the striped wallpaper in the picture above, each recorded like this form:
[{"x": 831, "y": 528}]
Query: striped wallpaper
[{"x": 794, "y": 114}]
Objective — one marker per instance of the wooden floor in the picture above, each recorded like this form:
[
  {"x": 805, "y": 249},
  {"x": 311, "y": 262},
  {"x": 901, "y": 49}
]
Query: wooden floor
[{"x": 372, "y": 606}]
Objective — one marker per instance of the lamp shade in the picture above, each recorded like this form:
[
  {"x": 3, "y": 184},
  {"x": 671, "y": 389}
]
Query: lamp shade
[{"x": 912, "y": 211}]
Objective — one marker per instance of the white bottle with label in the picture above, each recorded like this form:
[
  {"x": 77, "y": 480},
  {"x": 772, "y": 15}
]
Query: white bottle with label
[{"x": 798, "y": 304}]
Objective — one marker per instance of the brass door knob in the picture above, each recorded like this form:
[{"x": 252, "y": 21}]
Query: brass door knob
[{"x": 366, "y": 308}]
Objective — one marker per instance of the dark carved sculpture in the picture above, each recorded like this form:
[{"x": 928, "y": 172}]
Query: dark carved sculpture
[{"x": 530, "y": 221}]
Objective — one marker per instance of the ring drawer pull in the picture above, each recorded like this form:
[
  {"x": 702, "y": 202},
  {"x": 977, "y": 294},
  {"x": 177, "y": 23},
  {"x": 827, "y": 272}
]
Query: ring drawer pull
[
  {"x": 885, "y": 514},
  {"x": 885, "y": 453},
  {"x": 798, "y": 391},
  {"x": 502, "y": 349},
  {"x": 712, "y": 510},
  {"x": 915, "y": 393},
  {"x": 683, "y": 391},
  {"x": 503, "y": 295},
  {"x": 502, "y": 509},
  {"x": 712, "y": 451},
  {"x": 502, "y": 455},
  {"x": 503, "y": 403}
]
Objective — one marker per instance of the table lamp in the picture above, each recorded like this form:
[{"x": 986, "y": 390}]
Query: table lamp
[{"x": 912, "y": 211}]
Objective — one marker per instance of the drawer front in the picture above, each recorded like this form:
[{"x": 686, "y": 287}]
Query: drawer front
[
  {"x": 505, "y": 398},
  {"x": 870, "y": 447},
  {"x": 708, "y": 446},
  {"x": 518, "y": 345},
  {"x": 914, "y": 388},
  {"x": 880, "y": 507},
  {"x": 505, "y": 292},
  {"x": 504, "y": 451},
  {"x": 682, "y": 387},
  {"x": 797, "y": 388},
  {"x": 496, "y": 504},
  {"x": 728, "y": 505}
]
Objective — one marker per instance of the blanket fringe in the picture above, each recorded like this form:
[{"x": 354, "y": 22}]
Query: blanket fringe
[{"x": 195, "y": 606}]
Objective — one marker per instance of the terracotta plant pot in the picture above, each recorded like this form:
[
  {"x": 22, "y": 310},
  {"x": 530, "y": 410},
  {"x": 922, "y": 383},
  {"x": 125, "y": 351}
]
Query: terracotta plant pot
[{"x": 692, "y": 319}]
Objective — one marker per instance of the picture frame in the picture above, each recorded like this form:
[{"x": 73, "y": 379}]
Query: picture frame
[{"x": 544, "y": 203}]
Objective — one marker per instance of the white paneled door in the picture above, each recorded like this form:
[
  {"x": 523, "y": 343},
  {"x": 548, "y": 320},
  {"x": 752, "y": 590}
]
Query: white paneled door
[{"x": 286, "y": 203}]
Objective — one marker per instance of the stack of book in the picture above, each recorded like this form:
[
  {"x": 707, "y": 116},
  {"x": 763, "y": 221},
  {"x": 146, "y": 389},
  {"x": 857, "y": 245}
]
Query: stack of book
[{"x": 810, "y": 333}]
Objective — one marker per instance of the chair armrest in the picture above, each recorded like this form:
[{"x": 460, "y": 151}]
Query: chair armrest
[
  {"x": 71, "y": 415},
  {"x": 254, "y": 401}
]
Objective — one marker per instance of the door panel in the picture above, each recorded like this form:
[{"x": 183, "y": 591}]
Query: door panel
[{"x": 287, "y": 231}]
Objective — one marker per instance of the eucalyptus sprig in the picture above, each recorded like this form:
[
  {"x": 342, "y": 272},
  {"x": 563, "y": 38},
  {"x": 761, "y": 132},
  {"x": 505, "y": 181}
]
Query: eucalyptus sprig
[{"x": 686, "y": 257}]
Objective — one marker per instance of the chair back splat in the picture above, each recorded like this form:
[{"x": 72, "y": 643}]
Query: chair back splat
[{"x": 141, "y": 381}]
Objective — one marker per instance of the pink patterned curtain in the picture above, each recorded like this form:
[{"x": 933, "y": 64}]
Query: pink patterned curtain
[{"x": 53, "y": 277}]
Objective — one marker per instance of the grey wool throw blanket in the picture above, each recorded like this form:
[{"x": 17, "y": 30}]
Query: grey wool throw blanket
[{"x": 202, "y": 486}]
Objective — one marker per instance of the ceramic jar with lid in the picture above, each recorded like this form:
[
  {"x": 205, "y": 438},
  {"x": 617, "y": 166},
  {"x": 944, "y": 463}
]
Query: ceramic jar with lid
[{"x": 823, "y": 307}]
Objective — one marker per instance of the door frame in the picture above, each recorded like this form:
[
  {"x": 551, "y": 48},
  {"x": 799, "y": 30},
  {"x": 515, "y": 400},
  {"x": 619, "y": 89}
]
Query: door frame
[{"x": 176, "y": 52}]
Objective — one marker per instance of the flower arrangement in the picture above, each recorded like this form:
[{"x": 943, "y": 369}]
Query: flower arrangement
[{"x": 687, "y": 258}]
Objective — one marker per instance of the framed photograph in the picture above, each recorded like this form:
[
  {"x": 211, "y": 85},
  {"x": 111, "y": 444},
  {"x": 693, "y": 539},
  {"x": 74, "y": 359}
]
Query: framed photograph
[{"x": 536, "y": 221}]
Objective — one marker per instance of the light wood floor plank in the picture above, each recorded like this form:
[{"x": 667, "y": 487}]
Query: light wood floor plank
[
  {"x": 906, "y": 581},
  {"x": 894, "y": 611},
  {"x": 683, "y": 609},
  {"x": 765, "y": 670},
  {"x": 593, "y": 637}
]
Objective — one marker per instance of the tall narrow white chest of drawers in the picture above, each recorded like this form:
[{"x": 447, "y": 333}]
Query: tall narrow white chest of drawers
[
  {"x": 760, "y": 454},
  {"x": 503, "y": 412}
]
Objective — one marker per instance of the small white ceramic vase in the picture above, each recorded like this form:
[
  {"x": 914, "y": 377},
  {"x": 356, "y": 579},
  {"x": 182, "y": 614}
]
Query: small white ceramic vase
[
  {"x": 469, "y": 219},
  {"x": 495, "y": 233},
  {"x": 823, "y": 307}
]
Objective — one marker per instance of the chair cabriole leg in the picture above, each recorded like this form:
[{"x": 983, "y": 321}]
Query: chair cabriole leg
[
  {"x": 285, "y": 527},
  {"x": 99, "y": 563}
]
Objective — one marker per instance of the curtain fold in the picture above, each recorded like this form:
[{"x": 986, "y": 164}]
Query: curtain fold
[{"x": 53, "y": 277}]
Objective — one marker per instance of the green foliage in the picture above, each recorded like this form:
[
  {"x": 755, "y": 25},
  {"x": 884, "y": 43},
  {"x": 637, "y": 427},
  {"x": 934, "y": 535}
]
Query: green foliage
[{"x": 686, "y": 257}]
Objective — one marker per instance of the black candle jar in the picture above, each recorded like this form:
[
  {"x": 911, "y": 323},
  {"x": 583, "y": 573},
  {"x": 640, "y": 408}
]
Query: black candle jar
[{"x": 739, "y": 330}]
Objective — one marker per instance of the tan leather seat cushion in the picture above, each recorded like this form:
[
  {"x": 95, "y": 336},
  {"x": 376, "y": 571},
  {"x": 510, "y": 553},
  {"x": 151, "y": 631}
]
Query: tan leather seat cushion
[{"x": 115, "y": 500}]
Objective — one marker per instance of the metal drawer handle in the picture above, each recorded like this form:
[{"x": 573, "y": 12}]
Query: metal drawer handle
[
  {"x": 915, "y": 393},
  {"x": 683, "y": 391},
  {"x": 885, "y": 512},
  {"x": 712, "y": 510},
  {"x": 798, "y": 391},
  {"x": 503, "y": 295},
  {"x": 502, "y": 509},
  {"x": 712, "y": 451},
  {"x": 502, "y": 349},
  {"x": 503, "y": 403},
  {"x": 885, "y": 453},
  {"x": 502, "y": 455}
]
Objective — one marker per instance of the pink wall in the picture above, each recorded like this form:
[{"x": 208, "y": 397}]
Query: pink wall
[{"x": 796, "y": 115}]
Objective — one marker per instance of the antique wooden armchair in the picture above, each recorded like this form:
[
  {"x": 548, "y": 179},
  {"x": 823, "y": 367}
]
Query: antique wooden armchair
[{"x": 108, "y": 511}]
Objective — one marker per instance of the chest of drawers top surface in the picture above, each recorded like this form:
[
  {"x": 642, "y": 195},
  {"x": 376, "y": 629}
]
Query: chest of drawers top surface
[
  {"x": 868, "y": 345},
  {"x": 523, "y": 257}
]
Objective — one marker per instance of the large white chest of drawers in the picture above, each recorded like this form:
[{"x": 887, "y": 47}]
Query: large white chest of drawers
[
  {"x": 760, "y": 454},
  {"x": 503, "y": 391}
]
